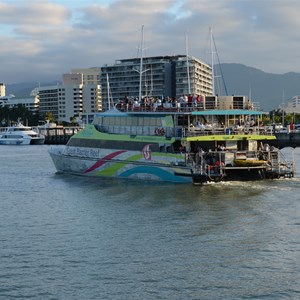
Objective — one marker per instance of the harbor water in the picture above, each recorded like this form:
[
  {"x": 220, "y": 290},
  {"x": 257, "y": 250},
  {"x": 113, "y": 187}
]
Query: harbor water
[{"x": 71, "y": 237}]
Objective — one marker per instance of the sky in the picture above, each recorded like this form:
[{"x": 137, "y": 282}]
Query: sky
[{"x": 43, "y": 39}]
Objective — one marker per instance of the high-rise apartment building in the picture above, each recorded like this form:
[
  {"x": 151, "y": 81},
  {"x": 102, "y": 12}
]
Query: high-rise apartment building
[
  {"x": 158, "y": 76},
  {"x": 80, "y": 92}
]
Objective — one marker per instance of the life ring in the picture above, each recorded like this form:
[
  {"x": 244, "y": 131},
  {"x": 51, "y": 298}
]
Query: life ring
[{"x": 159, "y": 131}]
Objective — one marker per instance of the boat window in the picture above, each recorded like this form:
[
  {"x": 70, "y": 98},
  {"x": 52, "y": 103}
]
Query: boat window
[
  {"x": 153, "y": 122},
  {"x": 98, "y": 120},
  {"x": 140, "y": 121},
  {"x": 146, "y": 121},
  {"x": 112, "y": 121},
  {"x": 105, "y": 121},
  {"x": 128, "y": 121},
  {"x": 117, "y": 121},
  {"x": 122, "y": 121},
  {"x": 134, "y": 121}
]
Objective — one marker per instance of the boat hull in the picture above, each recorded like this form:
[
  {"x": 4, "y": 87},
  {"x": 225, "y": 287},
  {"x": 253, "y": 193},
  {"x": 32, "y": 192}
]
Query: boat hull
[
  {"x": 22, "y": 141},
  {"x": 11, "y": 141},
  {"x": 14, "y": 141},
  {"x": 244, "y": 173},
  {"x": 133, "y": 165},
  {"x": 121, "y": 164}
]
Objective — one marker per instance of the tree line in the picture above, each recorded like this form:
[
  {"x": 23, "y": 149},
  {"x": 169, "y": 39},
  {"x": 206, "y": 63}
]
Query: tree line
[{"x": 11, "y": 115}]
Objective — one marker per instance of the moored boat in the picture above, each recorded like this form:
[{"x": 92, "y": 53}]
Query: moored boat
[
  {"x": 21, "y": 135},
  {"x": 194, "y": 145},
  {"x": 11, "y": 140}
]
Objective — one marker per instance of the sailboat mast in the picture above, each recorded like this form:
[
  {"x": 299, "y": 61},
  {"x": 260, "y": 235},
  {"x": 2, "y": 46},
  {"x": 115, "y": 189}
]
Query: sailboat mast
[
  {"x": 141, "y": 63},
  {"x": 214, "y": 52},
  {"x": 212, "y": 61},
  {"x": 282, "y": 107},
  {"x": 108, "y": 97},
  {"x": 187, "y": 64}
]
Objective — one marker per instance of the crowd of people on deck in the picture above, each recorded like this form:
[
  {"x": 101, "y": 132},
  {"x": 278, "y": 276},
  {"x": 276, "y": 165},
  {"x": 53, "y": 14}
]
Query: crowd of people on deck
[{"x": 184, "y": 102}]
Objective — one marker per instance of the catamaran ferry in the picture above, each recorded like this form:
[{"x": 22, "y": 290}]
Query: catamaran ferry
[{"x": 191, "y": 144}]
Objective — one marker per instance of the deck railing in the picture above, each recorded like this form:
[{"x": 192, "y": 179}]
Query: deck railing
[{"x": 136, "y": 106}]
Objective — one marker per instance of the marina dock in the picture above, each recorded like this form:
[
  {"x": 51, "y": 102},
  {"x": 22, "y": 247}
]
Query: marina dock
[
  {"x": 291, "y": 139},
  {"x": 58, "y": 135}
]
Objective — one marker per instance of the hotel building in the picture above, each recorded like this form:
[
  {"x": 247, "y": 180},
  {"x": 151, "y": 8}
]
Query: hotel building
[
  {"x": 158, "y": 76},
  {"x": 293, "y": 106},
  {"x": 79, "y": 93}
]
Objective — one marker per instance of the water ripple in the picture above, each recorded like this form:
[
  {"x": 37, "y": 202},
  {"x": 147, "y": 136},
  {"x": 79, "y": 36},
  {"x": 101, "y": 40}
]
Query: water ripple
[{"x": 68, "y": 237}]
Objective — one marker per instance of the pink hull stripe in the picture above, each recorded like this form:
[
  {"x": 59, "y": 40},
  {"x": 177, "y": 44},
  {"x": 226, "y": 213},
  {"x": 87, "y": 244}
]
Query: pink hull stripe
[{"x": 103, "y": 160}]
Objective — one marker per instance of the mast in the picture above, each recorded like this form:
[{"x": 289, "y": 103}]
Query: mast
[
  {"x": 140, "y": 71},
  {"x": 108, "y": 98},
  {"x": 151, "y": 81},
  {"x": 212, "y": 61},
  {"x": 187, "y": 64},
  {"x": 215, "y": 52},
  {"x": 282, "y": 107},
  {"x": 141, "y": 63},
  {"x": 108, "y": 92}
]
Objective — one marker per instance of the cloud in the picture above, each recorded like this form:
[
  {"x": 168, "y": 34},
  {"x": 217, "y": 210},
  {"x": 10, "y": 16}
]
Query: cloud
[
  {"x": 18, "y": 13},
  {"x": 44, "y": 39}
]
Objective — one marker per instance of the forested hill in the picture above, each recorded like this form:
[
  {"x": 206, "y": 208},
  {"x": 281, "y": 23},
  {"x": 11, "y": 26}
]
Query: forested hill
[{"x": 270, "y": 90}]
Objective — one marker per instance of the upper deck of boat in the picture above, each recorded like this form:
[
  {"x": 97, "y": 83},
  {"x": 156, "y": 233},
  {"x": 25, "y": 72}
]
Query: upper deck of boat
[
  {"x": 240, "y": 109},
  {"x": 188, "y": 121}
]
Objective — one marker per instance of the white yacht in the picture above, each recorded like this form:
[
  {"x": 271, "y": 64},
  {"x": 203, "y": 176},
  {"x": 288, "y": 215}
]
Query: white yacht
[{"x": 21, "y": 135}]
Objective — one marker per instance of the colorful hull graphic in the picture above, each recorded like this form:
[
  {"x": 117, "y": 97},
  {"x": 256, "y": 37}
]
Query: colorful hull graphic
[
  {"x": 119, "y": 164},
  {"x": 103, "y": 160}
]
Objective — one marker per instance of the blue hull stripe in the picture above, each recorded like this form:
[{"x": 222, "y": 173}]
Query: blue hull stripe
[{"x": 162, "y": 174}]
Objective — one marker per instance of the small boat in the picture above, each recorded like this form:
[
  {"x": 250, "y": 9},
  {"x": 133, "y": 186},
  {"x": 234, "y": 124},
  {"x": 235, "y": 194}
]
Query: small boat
[
  {"x": 21, "y": 135},
  {"x": 162, "y": 145}
]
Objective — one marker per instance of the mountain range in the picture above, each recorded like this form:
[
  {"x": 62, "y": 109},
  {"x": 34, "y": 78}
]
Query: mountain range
[{"x": 270, "y": 90}]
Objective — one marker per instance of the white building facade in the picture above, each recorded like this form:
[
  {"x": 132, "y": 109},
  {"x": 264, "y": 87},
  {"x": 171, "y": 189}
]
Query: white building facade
[
  {"x": 31, "y": 103},
  {"x": 293, "y": 106},
  {"x": 10, "y": 101},
  {"x": 79, "y": 93}
]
